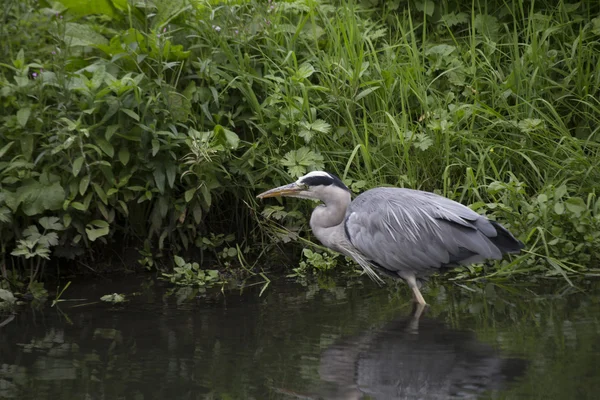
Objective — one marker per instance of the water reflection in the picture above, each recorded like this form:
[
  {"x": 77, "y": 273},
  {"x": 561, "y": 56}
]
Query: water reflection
[
  {"x": 415, "y": 359},
  {"x": 334, "y": 341}
]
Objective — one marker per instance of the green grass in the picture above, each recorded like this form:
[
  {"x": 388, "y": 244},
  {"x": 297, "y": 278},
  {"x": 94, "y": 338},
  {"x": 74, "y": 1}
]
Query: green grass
[{"x": 180, "y": 114}]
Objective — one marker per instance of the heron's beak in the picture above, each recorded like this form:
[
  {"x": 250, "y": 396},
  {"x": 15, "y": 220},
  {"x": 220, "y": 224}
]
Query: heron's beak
[{"x": 285, "y": 190}]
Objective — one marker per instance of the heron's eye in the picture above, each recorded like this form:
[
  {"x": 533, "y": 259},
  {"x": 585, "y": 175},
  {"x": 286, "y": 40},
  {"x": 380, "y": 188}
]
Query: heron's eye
[{"x": 304, "y": 186}]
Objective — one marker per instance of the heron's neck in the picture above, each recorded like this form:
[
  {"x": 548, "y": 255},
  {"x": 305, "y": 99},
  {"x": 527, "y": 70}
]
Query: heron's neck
[{"x": 331, "y": 212}]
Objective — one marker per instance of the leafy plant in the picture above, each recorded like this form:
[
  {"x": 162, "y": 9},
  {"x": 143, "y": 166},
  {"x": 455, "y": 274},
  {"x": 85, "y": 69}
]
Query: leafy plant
[
  {"x": 7, "y": 300},
  {"x": 190, "y": 274},
  {"x": 314, "y": 262},
  {"x": 114, "y": 298},
  {"x": 152, "y": 126}
]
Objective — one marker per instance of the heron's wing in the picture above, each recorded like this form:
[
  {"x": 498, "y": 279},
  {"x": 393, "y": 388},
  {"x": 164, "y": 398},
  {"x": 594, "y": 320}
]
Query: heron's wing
[{"x": 419, "y": 232}]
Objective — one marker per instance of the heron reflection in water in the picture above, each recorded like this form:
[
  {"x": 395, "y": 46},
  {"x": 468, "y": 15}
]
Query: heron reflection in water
[
  {"x": 403, "y": 233},
  {"x": 398, "y": 362}
]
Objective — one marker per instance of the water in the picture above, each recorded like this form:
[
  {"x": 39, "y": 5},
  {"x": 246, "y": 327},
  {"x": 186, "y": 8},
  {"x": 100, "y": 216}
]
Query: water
[{"x": 339, "y": 340}]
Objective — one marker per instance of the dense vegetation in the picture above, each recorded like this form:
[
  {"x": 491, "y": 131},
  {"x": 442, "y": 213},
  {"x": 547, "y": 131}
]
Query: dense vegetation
[{"x": 152, "y": 125}]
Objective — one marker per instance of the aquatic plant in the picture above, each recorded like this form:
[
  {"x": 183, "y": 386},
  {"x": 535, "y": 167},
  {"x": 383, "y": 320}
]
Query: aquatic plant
[{"x": 190, "y": 274}]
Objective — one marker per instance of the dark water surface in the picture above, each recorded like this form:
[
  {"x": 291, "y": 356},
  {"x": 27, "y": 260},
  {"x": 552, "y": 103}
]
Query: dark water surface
[{"x": 345, "y": 341}]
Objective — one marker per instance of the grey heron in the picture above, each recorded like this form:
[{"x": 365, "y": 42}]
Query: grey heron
[{"x": 404, "y": 233}]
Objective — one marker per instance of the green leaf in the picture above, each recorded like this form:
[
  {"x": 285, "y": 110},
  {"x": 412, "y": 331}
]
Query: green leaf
[
  {"x": 5, "y": 215},
  {"x": 27, "y": 146},
  {"x": 576, "y": 205},
  {"x": 305, "y": 71},
  {"x": 5, "y": 149},
  {"x": 63, "y": 146},
  {"x": 180, "y": 262},
  {"x": 487, "y": 25},
  {"x": 189, "y": 194},
  {"x": 36, "y": 197},
  {"x": 131, "y": 113},
  {"x": 226, "y": 137},
  {"x": 23, "y": 116},
  {"x": 32, "y": 233},
  {"x": 124, "y": 155},
  {"x": 96, "y": 229},
  {"x": 114, "y": 298},
  {"x": 232, "y": 138},
  {"x": 559, "y": 208},
  {"x": 48, "y": 240},
  {"x": 423, "y": 141},
  {"x": 306, "y": 134},
  {"x": 120, "y": 4},
  {"x": 560, "y": 191},
  {"x": 99, "y": 223},
  {"x": 124, "y": 207},
  {"x": 100, "y": 192},
  {"x": 106, "y": 147},
  {"x": 21, "y": 251},
  {"x": 297, "y": 161},
  {"x": 78, "y": 206},
  {"x": 206, "y": 195},
  {"x": 110, "y": 131},
  {"x": 159, "y": 178},
  {"x": 366, "y": 92},
  {"x": 19, "y": 62},
  {"x": 171, "y": 170},
  {"x": 179, "y": 106},
  {"x": 168, "y": 9},
  {"x": 98, "y": 76},
  {"x": 443, "y": 50},
  {"x": 51, "y": 223},
  {"x": 89, "y": 7},
  {"x": 426, "y": 6},
  {"x": 452, "y": 19},
  {"x": 82, "y": 35},
  {"x": 530, "y": 124},
  {"x": 77, "y": 164},
  {"x": 83, "y": 184},
  {"x": 155, "y": 147},
  {"x": 7, "y": 296},
  {"x": 320, "y": 126},
  {"x": 307, "y": 129},
  {"x": 107, "y": 172},
  {"x": 197, "y": 212},
  {"x": 87, "y": 200}
]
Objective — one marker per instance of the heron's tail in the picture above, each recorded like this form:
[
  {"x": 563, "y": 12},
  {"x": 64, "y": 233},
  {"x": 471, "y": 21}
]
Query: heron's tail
[{"x": 505, "y": 241}]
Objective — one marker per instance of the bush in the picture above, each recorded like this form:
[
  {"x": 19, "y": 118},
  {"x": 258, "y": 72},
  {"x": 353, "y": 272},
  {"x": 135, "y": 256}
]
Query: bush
[{"x": 158, "y": 123}]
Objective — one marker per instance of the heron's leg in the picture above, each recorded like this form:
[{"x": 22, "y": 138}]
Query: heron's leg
[
  {"x": 413, "y": 325},
  {"x": 412, "y": 283},
  {"x": 418, "y": 310}
]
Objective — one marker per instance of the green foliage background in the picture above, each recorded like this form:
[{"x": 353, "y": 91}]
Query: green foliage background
[{"x": 154, "y": 124}]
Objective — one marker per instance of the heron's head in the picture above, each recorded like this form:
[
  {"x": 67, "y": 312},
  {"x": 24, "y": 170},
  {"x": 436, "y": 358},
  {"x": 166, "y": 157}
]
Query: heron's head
[{"x": 316, "y": 185}]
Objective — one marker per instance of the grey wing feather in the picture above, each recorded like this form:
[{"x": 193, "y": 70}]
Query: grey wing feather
[{"x": 411, "y": 231}]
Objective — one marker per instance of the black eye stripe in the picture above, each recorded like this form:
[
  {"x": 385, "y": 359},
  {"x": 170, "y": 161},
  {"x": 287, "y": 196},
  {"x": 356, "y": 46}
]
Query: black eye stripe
[{"x": 325, "y": 181}]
